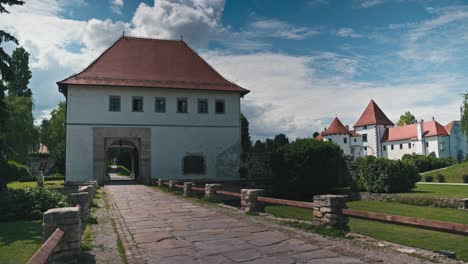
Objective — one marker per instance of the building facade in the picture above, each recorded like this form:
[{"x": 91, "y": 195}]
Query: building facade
[
  {"x": 161, "y": 102},
  {"x": 375, "y": 134}
]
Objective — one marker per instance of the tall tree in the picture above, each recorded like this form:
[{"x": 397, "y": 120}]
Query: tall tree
[
  {"x": 464, "y": 114},
  {"x": 5, "y": 37},
  {"x": 21, "y": 136},
  {"x": 406, "y": 119},
  {"x": 53, "y": 136},
  {"x": 246, "y": 142},
  {"x": 20, "y": 73}
]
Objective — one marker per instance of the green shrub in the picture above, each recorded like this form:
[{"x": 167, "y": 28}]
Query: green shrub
[
  {"x": 243, "y": 172},
  {"x": 27, "y": 178},
  {"x": 307, "y": 167},
  {"x": 440, "y": 178},
  {"x": 16, "y": 170},
  {"x": 427, "y": 163},
  {"x": 429, "y": 178},
  {"x": 465, "y": 178},
  {"x": 379, "y": 175},
  {"x": 54, "y": 177},
  {"x": 29, "y": 203}
]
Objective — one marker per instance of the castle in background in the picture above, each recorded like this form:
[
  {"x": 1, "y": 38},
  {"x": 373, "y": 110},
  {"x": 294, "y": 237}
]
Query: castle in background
[{"x": 375, "y": 134}]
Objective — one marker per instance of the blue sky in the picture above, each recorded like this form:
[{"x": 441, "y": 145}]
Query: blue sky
[{"x": 304, "y": 61}]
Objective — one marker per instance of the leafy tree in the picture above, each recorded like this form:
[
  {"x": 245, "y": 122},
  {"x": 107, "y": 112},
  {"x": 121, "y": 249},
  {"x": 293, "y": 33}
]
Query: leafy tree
[
  {"x": 464, "y": 114},
  {"x": 20, "y": 73},
  {"x": 406, "y": 119},
  {"x": 315, "y": 134},
  {"x": 5, "y": 59},
  {"x": 246, "y": 142},
  {"x": 53, "y": 136},
  {"x": 259, "y": 146},
  {"x": 21, "y": 137}
]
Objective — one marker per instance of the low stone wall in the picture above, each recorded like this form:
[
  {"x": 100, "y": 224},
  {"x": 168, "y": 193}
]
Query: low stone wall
[
  {"x": 414, "y": 200},
  {"x": 327, "y": 210}
]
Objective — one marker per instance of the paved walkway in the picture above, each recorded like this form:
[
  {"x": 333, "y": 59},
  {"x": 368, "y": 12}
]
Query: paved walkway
[{"x": 161, "y": 228}]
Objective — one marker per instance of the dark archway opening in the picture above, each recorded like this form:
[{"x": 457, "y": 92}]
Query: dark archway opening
[{"x": 123, "y": 161}]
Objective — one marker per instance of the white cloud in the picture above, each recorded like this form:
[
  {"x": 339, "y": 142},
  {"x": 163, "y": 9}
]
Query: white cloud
[
  {"x": 116, "y": 6},
  {"x": 279, "y": 29},
  {"x": 347, "y": 32},
  {"x": 370, "y": 3}
]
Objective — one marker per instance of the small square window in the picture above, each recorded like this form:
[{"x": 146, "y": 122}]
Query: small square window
[
  {"x": 137, "y": 104},
  {"x": 160, "y": 105},
  {"x": 345, "y": 140},
  {"x": 114, "y": 103},
  {"x": 401, "y": 146},
  {"x": 384, "y": 148},
  {"x": 427, "y": 144},
  {"x": 182, "y": 105},
  {"x": 391, "y": 147},
  {"x": 364, "y": 137},
  {"x": 409, "y": 145},
  {"x": 365, "y": 148},
  {"x": 355, "y": 140},
  {"x": 203, "y": 106},
  {"x": 219, "y": 105},
  {"x": 365, "y": 127}
]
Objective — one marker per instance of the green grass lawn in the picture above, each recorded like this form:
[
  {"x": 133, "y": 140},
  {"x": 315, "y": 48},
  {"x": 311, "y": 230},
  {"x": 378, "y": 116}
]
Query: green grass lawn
[
  {"x": 439, "y": 190},
  {"x": 19, "y": 240},
  {"x": 452, "y": 174},
  {"x": 48, "y": 184},
  {"x": 284, "y": 211}
]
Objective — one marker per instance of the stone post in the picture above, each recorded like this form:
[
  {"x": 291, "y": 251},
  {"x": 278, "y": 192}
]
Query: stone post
[
  {"x": 465, "y": 204},
  {"x": 188, "y": 189},
  {"x": 210, "y": 189},
  {"x": 67, "y": 219},
  {"x": 88, "y": 189},
  {"x": 160, "y": 183},
  {"x": 81, "y": 199},
  {"x": 249, "y": 201},
  {"x": 172, "y": 184},
  {"x": 327, "y": 210},
  {"x": 40, "y": 179}
]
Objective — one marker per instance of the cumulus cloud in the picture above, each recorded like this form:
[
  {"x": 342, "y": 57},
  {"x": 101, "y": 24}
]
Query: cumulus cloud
[{"x": 116, "y": 6}]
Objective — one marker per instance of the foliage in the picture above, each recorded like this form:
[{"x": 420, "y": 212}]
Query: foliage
[
  {"x": 53, "y": 136},
  {"x": 465, "y": 178},
  {"x": 379, "y": 175},
  {"x": 15, "y": 171},
  {"x": 259, "y": 146},
  {"x": 243, "y": 172},
  {"x": 54, "y": 177},
  {"x": 316, "y": 134},
  {"x": 57, "y": 184},
  {"x": 440, "y": 177},
  {"x": 307, "y": 167},
  {"x": 29, "y": 203},
  {"x": 20, "y": 74},
  {"x": 427, "y": 163},
  {"x": 429, "y": 178},
  {"x": 246, "y": 142},
  {"x": 406, "y": 119},
  {"x": 452, "y": 173},
  {"x": 19, "y": 240},
  {"x": 464, "y": 115},
  {"x": 277, "y": 142},
  {"x": 22, "y": 135}
]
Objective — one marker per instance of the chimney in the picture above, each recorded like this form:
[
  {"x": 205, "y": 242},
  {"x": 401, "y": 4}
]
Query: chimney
[{"x": 420, "y": 130}]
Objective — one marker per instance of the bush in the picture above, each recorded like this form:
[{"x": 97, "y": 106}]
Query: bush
[
  {"x": 29, "y": 203},
  {"x": 27, "y": 178},
  {"x": 440, "y": 178},
  {"x": 429, "y": 178},
  {"x": 54, "y": 177},
  {"x": 379, "y": 175},
  {"x": 307, "y": 167},
  {"x": 427, "y": 163},
  {"x": 465, "y": 178},
  {"x": 16, "y": 170},
  {"x": 243, "y": 172}
]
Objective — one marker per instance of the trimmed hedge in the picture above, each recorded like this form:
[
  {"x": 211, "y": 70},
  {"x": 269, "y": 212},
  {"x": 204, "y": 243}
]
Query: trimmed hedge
[
  {"x": 379, "y": 175},
  {"x": 427, "y": 163},
  {"x": 16, "y": 170},
  {"x": 307, "y": 167},
  {"x": 29, "y": 203}
]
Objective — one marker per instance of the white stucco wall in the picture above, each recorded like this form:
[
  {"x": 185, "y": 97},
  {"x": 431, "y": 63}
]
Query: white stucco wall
[
  {"x": 370, "y": 147},
  {"x": 398, "y": 153},
  {"x": 458, "y": 141},
  {"x": 338, "y": 139},
  {"x": 173, "y": 135}
]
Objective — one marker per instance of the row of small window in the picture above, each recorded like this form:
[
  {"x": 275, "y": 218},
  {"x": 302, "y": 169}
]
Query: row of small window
[
  {"x": 401, "y": 146},
  {"x": 160, "y": 105}
]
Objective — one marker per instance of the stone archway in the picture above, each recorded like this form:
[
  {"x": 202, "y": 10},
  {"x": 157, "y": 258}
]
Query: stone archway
[
  {"x": 104, "y": 137},
  {"x": 130, "y": 148}
]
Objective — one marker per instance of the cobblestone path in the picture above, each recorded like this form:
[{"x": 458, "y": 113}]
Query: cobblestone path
[{"x": 157, "y": 227}]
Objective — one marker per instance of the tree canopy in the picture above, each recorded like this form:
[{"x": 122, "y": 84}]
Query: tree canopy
[
  {"x": 20, "y": 73},
  {"x": 464, "y": 114},
  {"x": 53, "y": 136},
  {"x": 406, "y": 119}
]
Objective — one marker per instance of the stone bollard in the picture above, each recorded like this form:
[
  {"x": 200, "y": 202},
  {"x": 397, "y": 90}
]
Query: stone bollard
[
  {"x": 249, "y": 201},
  {"x": 172, "y": 184},
  {"x": 160, "y": 182},
  {"x": 210, "y": 189},
  {"x": 67, "y": 219},
  {"x": 465, "y": 204},
  {"x": 88, "y": 189},
  {"x": 81, "y": 199},
  {"x": 188, "y": 189},
  {"x": 327, "y": 210},
  {"x": 40, "y": 179}
]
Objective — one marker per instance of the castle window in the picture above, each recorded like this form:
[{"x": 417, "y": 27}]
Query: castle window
[
  {"x": 364, "y": 137},
  {"x": 193, "y": 164},
  {"x": 409, "y": 145},
  {"x": 391, "y": 146},
  {"x": 427, "y": 144},
  {"x": 137, "y": 104},
  {"x": 345, "y": 140},
  {"x": 355, "y": 140},
  {"x": 114, "y": 103},
  {"x": 220, "y": 107},
  {"x": 365, "y": 127},
  {"x": 401, "y": 146},
  {"x": 182, "y": 105},
  {"x": 160, "y": 105},
  {"x": 203, "y": 106},
  {"x": 384, "y": 148}
]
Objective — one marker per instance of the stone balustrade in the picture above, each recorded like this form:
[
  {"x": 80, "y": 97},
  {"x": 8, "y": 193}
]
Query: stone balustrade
[
  {"x": 327, "y": 210},
  {"x": 81, "y": 199},
  {"x": 249, "y": 201},
  {"x": 172, "y": 184},
  {"x": 210, "y": 189}
]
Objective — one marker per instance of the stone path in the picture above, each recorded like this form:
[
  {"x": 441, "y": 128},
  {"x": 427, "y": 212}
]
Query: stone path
[{"x": 157, "y": 227}]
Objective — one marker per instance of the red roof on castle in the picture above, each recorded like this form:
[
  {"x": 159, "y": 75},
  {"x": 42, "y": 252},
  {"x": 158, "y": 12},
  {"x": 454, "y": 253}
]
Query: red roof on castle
[
  {"x": 336, "y": 127},
  {"x": 156, "y": 63},
  {"x": 431, "y": 128},
  {"x": 373, "y": 115},
  {"x": 449, "y": 127}
]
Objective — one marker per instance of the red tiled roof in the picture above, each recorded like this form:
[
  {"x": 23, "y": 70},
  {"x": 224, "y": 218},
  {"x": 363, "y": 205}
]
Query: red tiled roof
[
  {"x": 336, "y": 127},
  {"x": 354, "y": 133},
  {"x": 373, "y": 115},
  {"x": 431, "y": 128},
  {"x": 319, "y": 137},
  {"x": 141, "y": 62},
  {"x": 449, "y": 127}
]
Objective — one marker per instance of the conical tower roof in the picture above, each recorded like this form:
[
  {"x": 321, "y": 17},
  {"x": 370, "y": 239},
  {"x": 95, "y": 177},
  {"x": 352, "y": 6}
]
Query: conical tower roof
[{"x": 373, "y": 115}]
